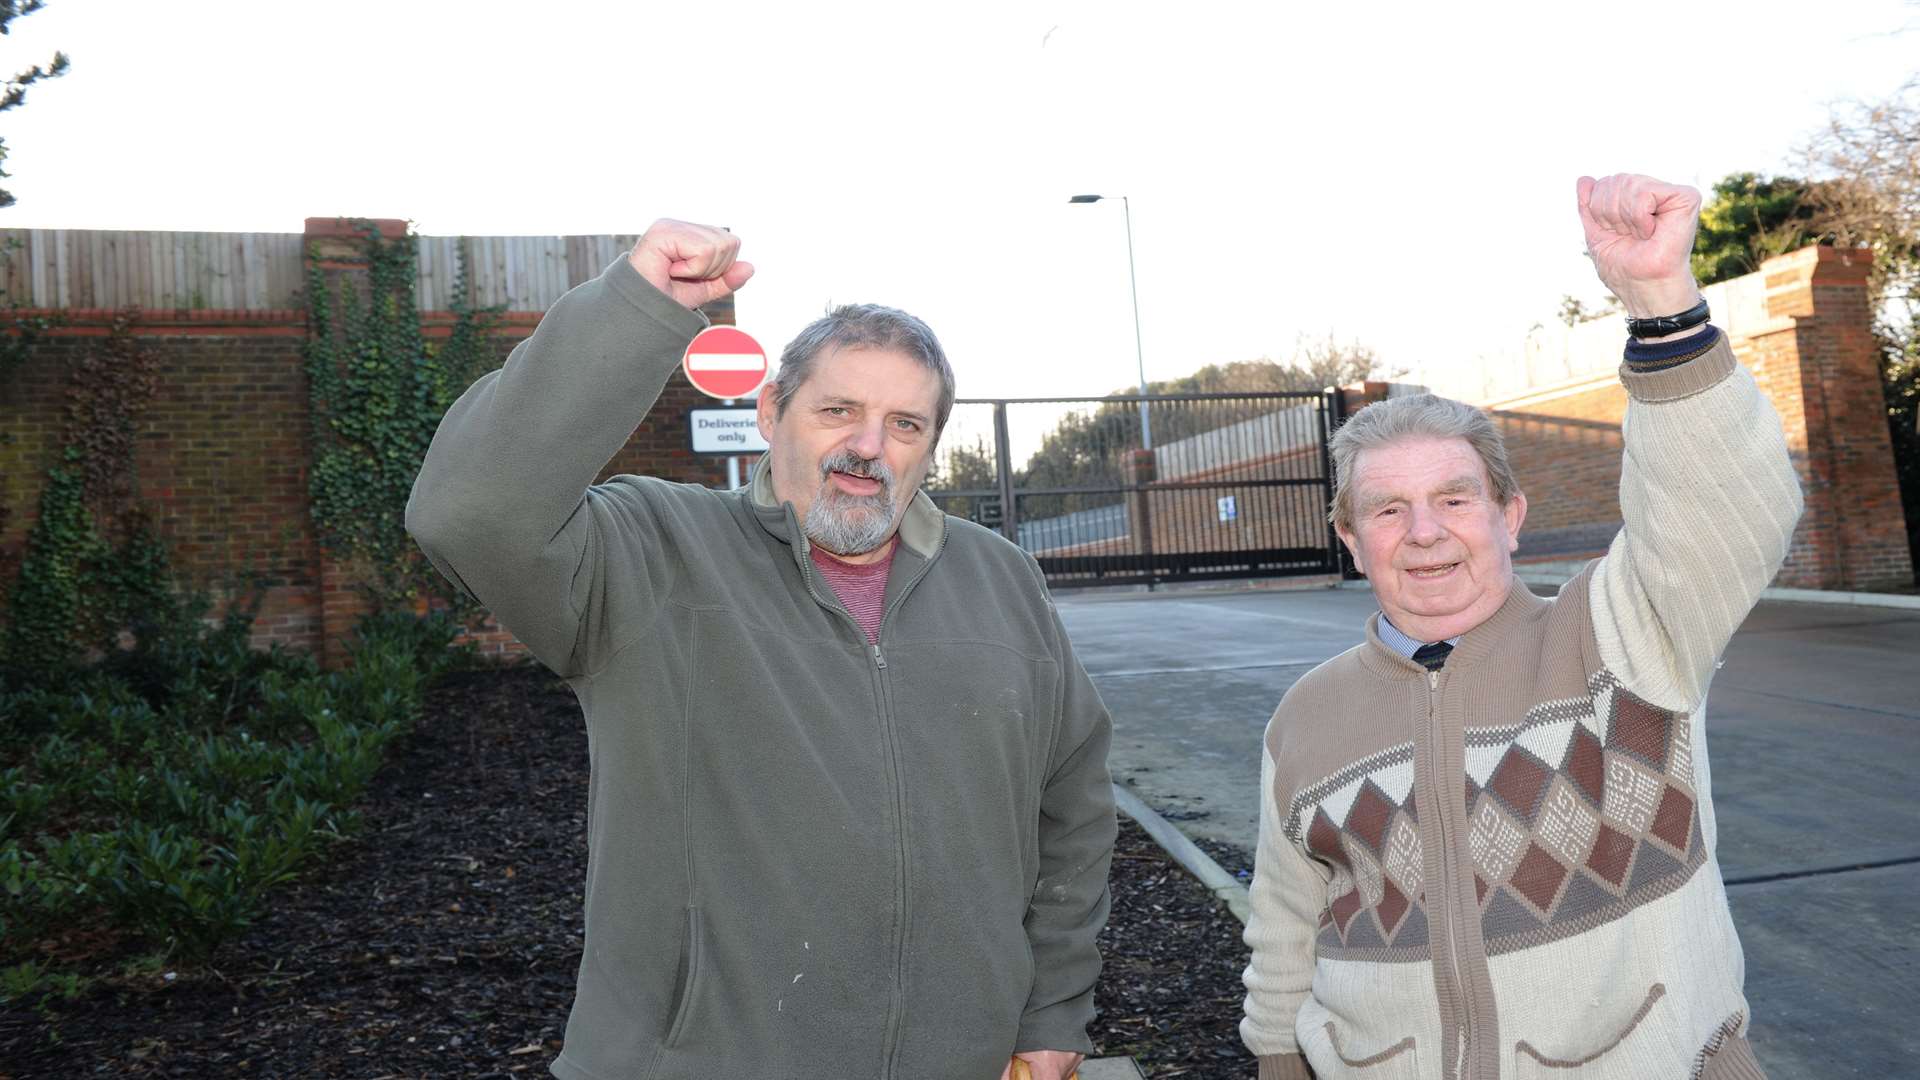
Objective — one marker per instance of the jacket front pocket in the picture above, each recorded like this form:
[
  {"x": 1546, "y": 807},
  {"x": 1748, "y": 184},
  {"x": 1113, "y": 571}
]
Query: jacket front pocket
[
  {"x": 1396, "y": 1060},
  {"x": 686, "y": 979},
  {"x": 1561, "y": 1062}
]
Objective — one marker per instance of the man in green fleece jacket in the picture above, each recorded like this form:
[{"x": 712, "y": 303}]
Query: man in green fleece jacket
[
  {"x": 849, "y": 813},
  {"x": 1487, "y": 833}
]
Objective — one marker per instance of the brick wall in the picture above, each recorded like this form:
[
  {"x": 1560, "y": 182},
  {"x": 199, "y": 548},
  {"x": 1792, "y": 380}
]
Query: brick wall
[
  {"x": 220, "y": 457},
  {"x": 222, "y": 453},
  {"x": 1567, "y": 461},
  {"x": 1801, "y": 326}
]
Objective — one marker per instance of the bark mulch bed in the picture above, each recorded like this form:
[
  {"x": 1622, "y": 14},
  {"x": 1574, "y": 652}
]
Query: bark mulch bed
[{"x": 443, "y": 940}]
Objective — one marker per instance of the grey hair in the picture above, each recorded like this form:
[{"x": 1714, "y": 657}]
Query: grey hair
[
  {"x": 1416, "y": 417},
  {"x": 864, "y": 326}
]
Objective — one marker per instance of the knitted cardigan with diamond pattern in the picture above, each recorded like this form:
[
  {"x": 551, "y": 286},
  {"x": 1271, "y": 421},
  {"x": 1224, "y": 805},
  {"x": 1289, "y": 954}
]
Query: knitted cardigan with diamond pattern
[{"x": 1505, "y": 868}]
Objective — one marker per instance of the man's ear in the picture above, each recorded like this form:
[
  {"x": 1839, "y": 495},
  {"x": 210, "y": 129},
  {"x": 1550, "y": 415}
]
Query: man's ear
[
  {"x": 1353, "y": 546},
  {"x": 765, "y": 413},
  {"x": 1515, "y": 512}
]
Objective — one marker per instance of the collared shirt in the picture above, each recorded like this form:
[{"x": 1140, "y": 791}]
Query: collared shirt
[{"x": 1393, "y": 638}]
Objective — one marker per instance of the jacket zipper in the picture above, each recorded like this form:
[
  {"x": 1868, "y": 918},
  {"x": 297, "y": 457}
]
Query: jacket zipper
[
  {"x": 897, "y": 994},
  {"x": 1449, "y": 886},
  {"x": 900, "y": 814}
]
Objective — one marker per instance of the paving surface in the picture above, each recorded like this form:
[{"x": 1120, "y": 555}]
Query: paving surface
[{"x": 1813, "y": 736}]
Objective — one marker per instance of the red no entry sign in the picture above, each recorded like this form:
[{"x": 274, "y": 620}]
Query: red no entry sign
[{"x": 725, "y": 363}]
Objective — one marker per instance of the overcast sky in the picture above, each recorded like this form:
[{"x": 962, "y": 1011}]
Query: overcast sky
[{"x": 1398, "y": 174}]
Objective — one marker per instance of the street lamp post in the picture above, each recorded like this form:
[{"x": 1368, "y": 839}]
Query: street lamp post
[{"x": 1146, "y": 433}]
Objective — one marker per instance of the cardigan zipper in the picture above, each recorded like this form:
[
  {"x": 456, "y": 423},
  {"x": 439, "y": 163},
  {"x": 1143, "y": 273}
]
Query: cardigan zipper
[{"x": 1448, "y": 886}]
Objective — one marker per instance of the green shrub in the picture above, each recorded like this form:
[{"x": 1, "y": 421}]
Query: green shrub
[
  {"x": 192, "y": 774},
  {"x": 23, "y": 803},
  {"x": 168, "y": 883},
  {"x": 426, "y": 640},
  {"x": 22, "y": 981}
]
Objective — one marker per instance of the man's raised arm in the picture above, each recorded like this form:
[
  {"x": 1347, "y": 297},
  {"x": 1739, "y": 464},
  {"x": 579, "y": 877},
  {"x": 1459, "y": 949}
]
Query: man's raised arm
[
  {"x": 503, "y": 504},
  {"x": 1708, "y": 495}
]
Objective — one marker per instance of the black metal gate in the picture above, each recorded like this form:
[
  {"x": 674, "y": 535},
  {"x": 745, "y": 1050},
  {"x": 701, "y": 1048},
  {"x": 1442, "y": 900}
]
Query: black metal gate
[{"x": 1173, "y": 487}]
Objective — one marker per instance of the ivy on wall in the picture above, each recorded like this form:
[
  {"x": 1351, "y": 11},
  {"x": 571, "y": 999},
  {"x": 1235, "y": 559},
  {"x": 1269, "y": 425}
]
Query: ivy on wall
[
  {"x": 44, "y": 604},
  {"x": 378, "y": 391},
  {"x": 20, "y": 331},
  {"x": 92, "y": 564}
]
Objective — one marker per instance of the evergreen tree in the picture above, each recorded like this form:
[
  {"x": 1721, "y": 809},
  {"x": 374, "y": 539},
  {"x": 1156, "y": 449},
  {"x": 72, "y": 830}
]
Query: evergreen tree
[{"x": 15, "y": 94}]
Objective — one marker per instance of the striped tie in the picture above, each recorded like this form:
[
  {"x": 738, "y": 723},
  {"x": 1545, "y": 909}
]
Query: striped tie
[{"x": 1432, "y": 656}]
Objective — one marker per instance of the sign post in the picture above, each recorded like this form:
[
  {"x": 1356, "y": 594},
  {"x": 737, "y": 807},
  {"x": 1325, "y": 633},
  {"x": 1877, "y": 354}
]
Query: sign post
[
  {"x": 728, "y": 364},
  {"x": 733, "y": 464},
  {"x": 724, "y": 431}
]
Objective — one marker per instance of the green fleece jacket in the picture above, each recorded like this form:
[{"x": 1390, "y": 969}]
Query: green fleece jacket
[{"x": 808, "y": 856}]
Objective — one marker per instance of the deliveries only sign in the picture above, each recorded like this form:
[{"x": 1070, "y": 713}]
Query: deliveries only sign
[{"x": 724, "y": 431}]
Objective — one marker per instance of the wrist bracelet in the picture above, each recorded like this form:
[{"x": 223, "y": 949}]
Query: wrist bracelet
[{"x": 1669, "y": 324}]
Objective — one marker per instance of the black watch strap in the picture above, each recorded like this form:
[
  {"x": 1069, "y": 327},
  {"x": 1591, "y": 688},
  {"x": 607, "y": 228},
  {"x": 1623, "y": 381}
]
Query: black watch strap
[{"x": 1669, "y": 324}]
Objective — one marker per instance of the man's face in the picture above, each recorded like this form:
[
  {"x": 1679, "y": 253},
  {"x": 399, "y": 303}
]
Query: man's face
[
  {"x": 853, "y": 446},
  {"x": 1430, "y": 536}
]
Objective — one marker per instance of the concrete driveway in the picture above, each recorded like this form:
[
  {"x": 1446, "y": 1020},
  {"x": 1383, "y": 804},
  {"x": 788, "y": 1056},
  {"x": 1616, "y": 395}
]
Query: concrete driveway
[{"x": 1814, "y": 736}]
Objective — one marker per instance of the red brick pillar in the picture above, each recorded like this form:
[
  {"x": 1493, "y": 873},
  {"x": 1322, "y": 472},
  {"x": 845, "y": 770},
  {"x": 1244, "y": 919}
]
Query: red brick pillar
[
  {"x": 1818, "y": 362},
  {"x": 341, "y": 605},
  {"x": 338, "y": 246},
  {"x": 1359, "y": 396}
]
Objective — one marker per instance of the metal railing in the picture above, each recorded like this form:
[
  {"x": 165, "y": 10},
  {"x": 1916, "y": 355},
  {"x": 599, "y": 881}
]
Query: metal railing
[{"x": 1236, "y": 484}]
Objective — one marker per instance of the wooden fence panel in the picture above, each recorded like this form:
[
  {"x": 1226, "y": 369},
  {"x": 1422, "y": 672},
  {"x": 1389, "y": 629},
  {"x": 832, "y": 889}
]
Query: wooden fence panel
[{"x": 164, "y": 271}]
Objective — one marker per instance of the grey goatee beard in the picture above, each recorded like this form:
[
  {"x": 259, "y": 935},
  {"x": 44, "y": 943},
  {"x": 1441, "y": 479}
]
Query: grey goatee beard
[{"x": 851, "y": 524}]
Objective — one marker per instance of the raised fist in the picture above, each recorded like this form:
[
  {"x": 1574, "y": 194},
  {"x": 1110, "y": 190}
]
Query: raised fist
[
  {"x": 694, "y": 264},
  {"x": 1640, "y": 234}
]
